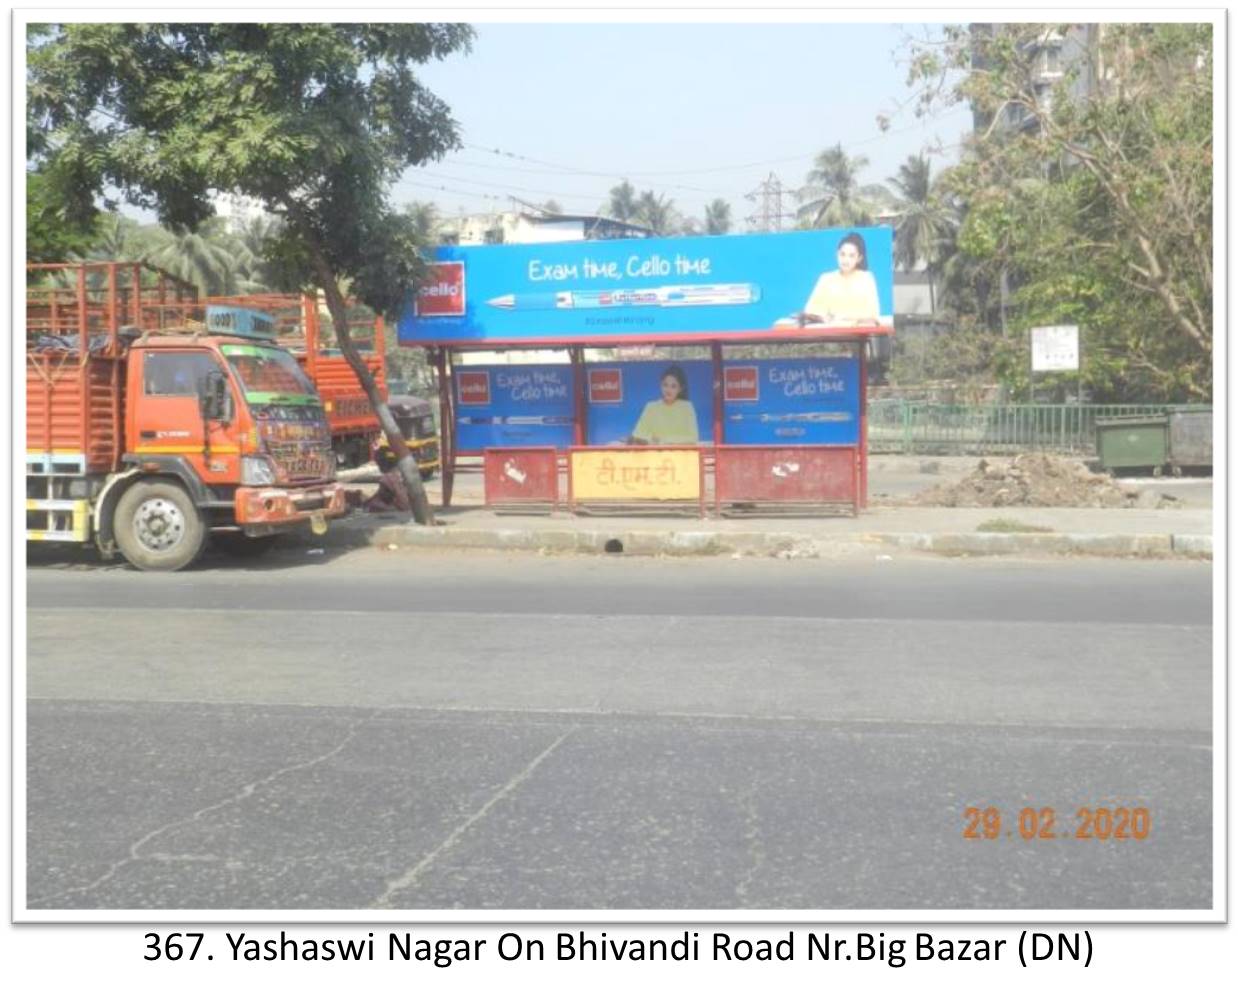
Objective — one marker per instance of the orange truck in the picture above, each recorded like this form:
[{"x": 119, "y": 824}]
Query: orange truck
[
  {"x": 305, "y": 330},
  {"x": 147, "y": 433},
  {"x": 299, "y": 327}
]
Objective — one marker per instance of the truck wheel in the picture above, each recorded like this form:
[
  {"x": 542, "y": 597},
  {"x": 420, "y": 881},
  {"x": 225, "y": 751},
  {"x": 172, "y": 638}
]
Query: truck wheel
[
  {"x": 427, "y": 475},
  {"x": 157, "y": 527},
  {"x": 240, "y": 545}
]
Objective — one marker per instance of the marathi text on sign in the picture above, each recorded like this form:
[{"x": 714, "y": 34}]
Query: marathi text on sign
[{"x": 636, "y": 474}]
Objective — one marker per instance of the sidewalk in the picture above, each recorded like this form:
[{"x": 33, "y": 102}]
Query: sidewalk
[
  {"x": 949, "y": 531},
  {"x": 1185, "y": 530}
]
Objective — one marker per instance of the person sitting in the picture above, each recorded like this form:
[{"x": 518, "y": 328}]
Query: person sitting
[{"x": 392, "y": 493}]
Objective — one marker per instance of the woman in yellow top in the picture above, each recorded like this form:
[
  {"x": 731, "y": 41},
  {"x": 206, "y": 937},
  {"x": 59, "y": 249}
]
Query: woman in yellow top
[
  {"x": 671, "y": 420},
  {"x": 848, "y": 295}
]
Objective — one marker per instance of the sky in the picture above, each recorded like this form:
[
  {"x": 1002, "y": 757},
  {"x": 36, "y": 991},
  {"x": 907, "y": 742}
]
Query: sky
[{"x": 691, "y": 111}]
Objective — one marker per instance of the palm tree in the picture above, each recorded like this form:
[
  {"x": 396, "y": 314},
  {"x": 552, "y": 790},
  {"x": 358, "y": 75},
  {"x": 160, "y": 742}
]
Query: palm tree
[
  {"x": 251, "y": 246},
  {"x": 117, "y": 238},
  {"x": 206, "y": 257},
  {"x": 622, "y": 204},
  {"x": 833, "y": 195},
  {"x": 655, "y": 212},
  {"x": 717, "y": 217},
  {"x": 924, "y": 227}
]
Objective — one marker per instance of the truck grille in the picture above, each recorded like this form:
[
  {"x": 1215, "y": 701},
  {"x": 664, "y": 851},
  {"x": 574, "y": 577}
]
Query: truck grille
[{"x": 296, "y": 462}]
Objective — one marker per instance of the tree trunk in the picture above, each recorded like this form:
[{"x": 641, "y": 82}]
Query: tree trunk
[{"x": 395, "y": 438}]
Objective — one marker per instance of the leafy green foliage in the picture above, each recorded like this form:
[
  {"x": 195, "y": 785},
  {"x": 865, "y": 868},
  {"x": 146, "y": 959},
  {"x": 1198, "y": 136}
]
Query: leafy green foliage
[
  {"x": 1089, "y": 190},
  {"x": 313, "y": 121},
  {"x": 656, "y": 212},
  {"x": 833, "y": 196},
  {"x": 717, "y": 217},
  {"x": 51, "y": 233},
  {"x": 622, "y": 204},
  {"x": 924, "y": 230}
]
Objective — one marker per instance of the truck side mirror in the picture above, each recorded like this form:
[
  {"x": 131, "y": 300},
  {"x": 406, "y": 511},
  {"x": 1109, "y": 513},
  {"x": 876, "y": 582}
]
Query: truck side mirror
[{"x": 214, "y": 401}]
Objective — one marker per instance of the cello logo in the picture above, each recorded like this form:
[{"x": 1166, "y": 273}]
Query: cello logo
[
  {"x": 442, "y": 295},
  {"x": 474, "y": 387},
  {"x": 740, "y": 384},
  {"x": 605, "y": 385}
]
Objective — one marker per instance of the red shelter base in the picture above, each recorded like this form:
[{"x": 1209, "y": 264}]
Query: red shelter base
[
  {"x": 522, "y": 476},
  {"x": 788, "y": 475}
]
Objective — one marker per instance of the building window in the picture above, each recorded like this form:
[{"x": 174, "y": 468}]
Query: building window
[{"x": 1051, "y": 60}]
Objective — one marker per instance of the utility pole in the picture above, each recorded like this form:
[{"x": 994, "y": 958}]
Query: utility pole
[{"x": 769, "y": 215}]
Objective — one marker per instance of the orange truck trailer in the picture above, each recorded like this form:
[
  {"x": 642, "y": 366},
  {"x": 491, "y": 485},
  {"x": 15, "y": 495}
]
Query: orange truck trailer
[{"x": 147, "y": 433}]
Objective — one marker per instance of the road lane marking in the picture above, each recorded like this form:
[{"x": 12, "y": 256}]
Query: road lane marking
[
  {"x": 409, "y": 878},
  {"x": 56, "y": 614}
]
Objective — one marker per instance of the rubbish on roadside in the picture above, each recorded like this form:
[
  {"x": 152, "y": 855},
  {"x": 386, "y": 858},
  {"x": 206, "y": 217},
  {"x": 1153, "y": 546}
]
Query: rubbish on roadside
[
  {"x": 393, "y": 546},
  {"x": 884, "y": 556},
  {"x": 1035, "y": 480}
]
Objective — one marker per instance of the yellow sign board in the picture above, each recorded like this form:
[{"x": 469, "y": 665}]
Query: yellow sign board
[{"x": 637, "y": 474}]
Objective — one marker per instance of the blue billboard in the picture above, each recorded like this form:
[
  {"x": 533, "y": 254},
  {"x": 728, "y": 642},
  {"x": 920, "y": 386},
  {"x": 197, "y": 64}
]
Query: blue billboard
[
  {"x": 642, "y": 289},
  {"x": 797, "y": 402},
  {"x": 668, "y": 403},
  {"x": 525, "y": 405}
]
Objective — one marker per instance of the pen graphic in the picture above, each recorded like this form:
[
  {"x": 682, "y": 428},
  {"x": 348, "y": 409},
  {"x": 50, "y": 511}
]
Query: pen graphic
[
  {"x": 675, "y": 296},
  {"x": 790, "y": 417},
  {"x": 514, "y": 419}
]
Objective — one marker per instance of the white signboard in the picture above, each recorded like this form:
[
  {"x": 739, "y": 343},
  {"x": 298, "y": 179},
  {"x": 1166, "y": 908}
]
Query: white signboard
[{"x": 1055, "y": 347}]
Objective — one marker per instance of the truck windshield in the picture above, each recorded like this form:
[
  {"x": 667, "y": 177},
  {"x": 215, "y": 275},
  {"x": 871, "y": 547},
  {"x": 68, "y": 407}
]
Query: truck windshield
[{"x": 270, "y": 376}]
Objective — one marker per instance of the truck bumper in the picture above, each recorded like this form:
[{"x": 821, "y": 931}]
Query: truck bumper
[{"x": 289, "y": 506}]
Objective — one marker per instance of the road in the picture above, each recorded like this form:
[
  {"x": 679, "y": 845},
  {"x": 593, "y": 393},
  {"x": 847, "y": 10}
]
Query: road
[{"x": 372, "y": 730}]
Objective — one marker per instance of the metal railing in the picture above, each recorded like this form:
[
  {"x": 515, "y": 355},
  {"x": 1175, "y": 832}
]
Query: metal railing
[{"x": 897, "y": 426}]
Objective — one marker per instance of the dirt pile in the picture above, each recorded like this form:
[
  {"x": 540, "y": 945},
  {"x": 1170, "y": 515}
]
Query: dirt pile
[{"x": 1036, "y": 480}]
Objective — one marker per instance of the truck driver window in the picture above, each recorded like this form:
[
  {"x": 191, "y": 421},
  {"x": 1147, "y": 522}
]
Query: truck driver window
[
  {"x": 176, "y": 374},
  {"x": 266, "y": 373}
]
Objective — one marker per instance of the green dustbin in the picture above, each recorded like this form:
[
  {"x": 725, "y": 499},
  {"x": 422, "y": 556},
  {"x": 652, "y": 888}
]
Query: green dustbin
[{"x": 1133, "y": 442}]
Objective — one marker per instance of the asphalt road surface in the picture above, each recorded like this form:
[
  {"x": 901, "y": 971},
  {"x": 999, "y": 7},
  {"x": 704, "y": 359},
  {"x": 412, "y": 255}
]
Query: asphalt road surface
[{"x": 369, "y": 730}]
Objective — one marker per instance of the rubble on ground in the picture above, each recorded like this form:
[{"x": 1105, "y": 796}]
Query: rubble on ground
[{"x": 1039, "y": 480}]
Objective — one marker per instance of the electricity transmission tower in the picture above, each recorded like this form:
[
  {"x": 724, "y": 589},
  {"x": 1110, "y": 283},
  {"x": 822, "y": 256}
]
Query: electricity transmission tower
[{"x": 768, "y": 216}]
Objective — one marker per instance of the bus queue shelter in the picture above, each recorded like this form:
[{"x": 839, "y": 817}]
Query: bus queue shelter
[{"x": 757, "y": 431}]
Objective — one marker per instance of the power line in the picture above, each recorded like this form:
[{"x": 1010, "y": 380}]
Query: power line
[
  {"x": 495, "y": 151},
  {"x": 477, "y": 193},
  {"x": 502, "y": 186},
  {"x": 609, "y": 174}
]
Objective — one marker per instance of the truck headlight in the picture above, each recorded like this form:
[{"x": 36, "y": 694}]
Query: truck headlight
[{"x": 256, "y": 470}]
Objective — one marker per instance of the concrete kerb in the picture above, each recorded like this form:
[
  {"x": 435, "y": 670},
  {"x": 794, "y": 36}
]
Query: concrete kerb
[
  {"x": 754, "y": 543},
  {"x": 997, "y": 544}
]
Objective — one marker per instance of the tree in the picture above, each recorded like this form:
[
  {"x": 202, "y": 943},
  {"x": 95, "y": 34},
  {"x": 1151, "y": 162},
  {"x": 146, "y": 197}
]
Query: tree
[
  {"x": 1092, "y": 190},
  {"x": 717, "y": 217},
  {"x": 924, "y": 223},
  {"x": 622, "y": 204},
  {"x": 205, "y": 256},
  {"x": 313, "y": 121},
  {"x": 425, "y": 220},
  {"x": 53, "y": 236},
  {"x": 656, "y": 212},
  {"x": 833, "y": 195},
  {"x": 254, "y": 274}
]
